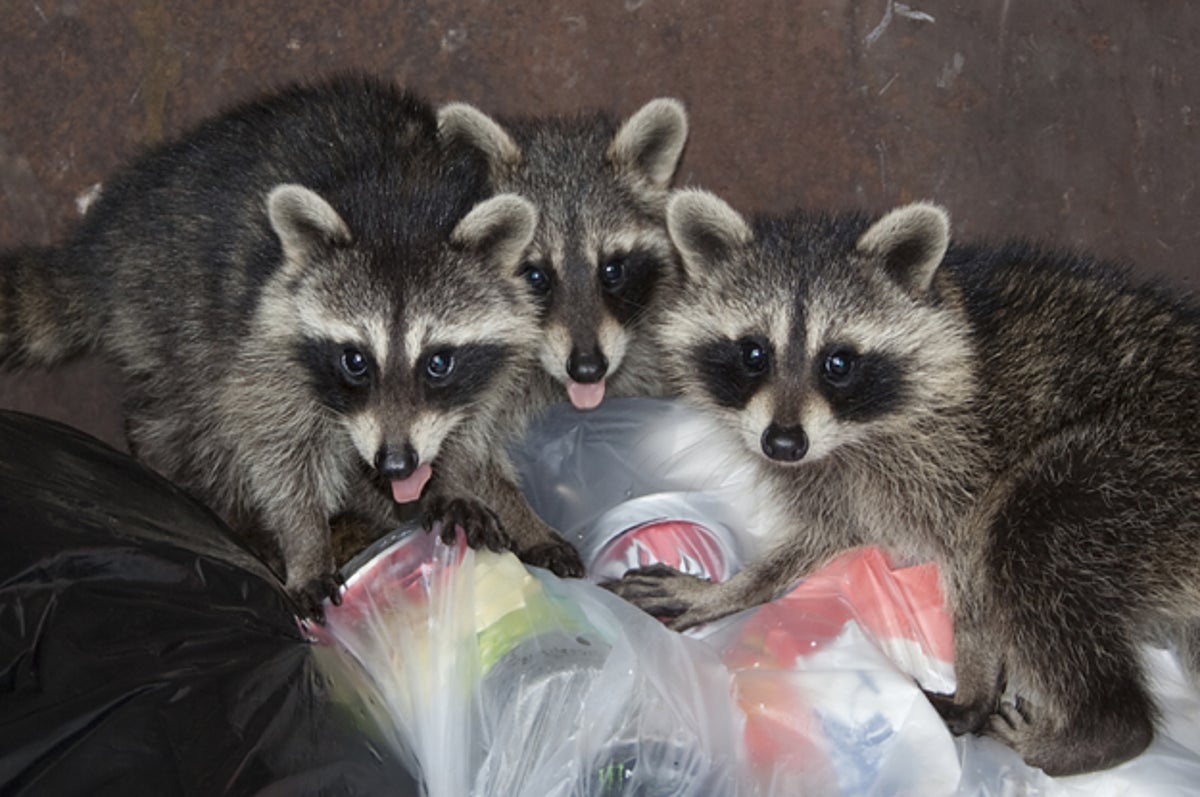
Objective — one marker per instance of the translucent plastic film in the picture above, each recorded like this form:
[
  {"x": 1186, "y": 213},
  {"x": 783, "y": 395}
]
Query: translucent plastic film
[
  {"x": 502, "y": 680},
  {"x": 506, "y": 681},
  {"x": 143, "y": 649}
]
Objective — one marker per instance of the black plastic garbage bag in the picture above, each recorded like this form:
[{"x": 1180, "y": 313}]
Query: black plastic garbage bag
[{"x": 144, "y": 650}]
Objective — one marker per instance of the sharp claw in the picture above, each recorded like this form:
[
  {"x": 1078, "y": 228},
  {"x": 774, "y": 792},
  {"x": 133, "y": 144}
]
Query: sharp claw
[
  {"x": 557, "y": 556},
  {"x": 492, "y": 534},
  {"x": 312, "y": 609},
  {"x": 668, "y": 610}
]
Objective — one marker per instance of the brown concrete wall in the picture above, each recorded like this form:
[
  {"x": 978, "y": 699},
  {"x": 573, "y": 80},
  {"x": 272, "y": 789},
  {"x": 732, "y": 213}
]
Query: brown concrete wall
[{"x": 1073, "y": 122}]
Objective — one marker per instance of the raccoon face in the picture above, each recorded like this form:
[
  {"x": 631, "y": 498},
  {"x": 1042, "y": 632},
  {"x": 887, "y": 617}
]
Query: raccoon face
[
  {"x": 812, "y": 337},
  {"x": 398, "y": 413},
  {"x": 402, "y": 357},
  {"x": 601, "y": 251},
  {"x": 792, "y": 408},
  {"x": 592, "y": 303}
]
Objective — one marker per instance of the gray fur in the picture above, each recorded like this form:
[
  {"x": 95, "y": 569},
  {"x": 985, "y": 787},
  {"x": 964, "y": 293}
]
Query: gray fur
[
  {"x": 601, "y": 191},
  {"x": 1026, "y": 419},
  {"x": 229, "y": 273}
]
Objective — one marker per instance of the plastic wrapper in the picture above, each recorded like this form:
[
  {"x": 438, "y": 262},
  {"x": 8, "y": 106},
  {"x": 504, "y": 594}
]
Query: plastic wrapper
[
  {"x": 505, "y": 681},
  {"x": 144, "y": 651},
  {"x": 501, "y": 680}
]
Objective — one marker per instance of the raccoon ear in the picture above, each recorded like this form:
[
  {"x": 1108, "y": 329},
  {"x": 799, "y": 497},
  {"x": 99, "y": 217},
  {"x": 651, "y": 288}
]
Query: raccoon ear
[
  {"x": 910, "y": 242},
  {"x": 303, "y": 220},
  {"x": 707, "y": 232},
  {"x": 651, "y": 141},
  {"x": 499, "y": 229},
  {"x": 466, "y": 124}
]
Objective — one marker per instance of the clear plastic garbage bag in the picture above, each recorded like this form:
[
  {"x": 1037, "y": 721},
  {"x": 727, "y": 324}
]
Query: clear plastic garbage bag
[
  {"x": 497, "y": 679},
  {"x": 143, "y": 650},
  {"x": 501, "y": 680}
]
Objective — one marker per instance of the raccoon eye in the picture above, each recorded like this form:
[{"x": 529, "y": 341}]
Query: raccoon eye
[
  {"x": 839, "y": 366},
  {"x": 355, "y": 365},
  {"x": 439, "y": 365},
  {"x": 612, "y": 274},
  {"x": 537, "y": 277},
  {"x": 754, "y": 357}
]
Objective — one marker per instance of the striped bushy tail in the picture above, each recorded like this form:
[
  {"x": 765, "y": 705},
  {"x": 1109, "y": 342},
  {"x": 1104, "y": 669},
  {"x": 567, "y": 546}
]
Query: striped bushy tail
[{"x": 44, "y": 312}]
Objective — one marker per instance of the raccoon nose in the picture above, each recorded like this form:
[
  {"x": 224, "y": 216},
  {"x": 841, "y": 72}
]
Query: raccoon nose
[
  {"x": 784, "y": 443},
  {"x": 393, "y": 463},
  {"x": 587, "y": 367}
]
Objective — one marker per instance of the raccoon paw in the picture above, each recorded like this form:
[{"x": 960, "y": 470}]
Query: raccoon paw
[
  {"x": 477, "y": 520},
  {"x": 959, "y": 718},
  {"x": 310, "y": 596},
  {"x": 675, "y": 598},
  {"x": 1010, "y": 723},
  {"x": 557, "y": 556},
  {"x": 1079, "y": 746}
]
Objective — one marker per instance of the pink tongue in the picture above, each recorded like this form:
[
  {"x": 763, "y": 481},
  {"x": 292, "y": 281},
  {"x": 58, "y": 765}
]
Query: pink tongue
[
  {"x": 586, "y": 397},
  {"x": 406, "y": 490}
]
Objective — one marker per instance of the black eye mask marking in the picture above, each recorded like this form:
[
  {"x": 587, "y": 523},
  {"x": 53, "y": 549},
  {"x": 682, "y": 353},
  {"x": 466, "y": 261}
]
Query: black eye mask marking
[
  {"x": 859, "y": 387},
  {"x": 732, "y": 371},
  {"x": 627, "y": 283},
  {"x": 340, "y": 373},
  {"x": 462, "y": 372}
]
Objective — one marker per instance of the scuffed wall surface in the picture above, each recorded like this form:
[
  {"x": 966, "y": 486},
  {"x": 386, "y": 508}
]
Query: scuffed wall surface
[{"x": 1074, "y": 123}]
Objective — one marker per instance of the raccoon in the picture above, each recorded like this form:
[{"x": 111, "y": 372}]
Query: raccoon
[
  {"x": 600, "y": 260},
  {"x": 1028, "y": 419},
  {"x": 311, "y": 298}
]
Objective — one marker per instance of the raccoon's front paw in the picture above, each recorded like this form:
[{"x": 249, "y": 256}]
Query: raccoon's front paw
[
  {"x": 960, "y": 718},
  {"x": 678, "y": 599},
  {"x": 1079, "y": 746},
  {"x": 478, "y": 522},
  {"x": 311, "y": 595},
  {"x": 1010, "y": 723},
  {"x": 557, "y": 556}
]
